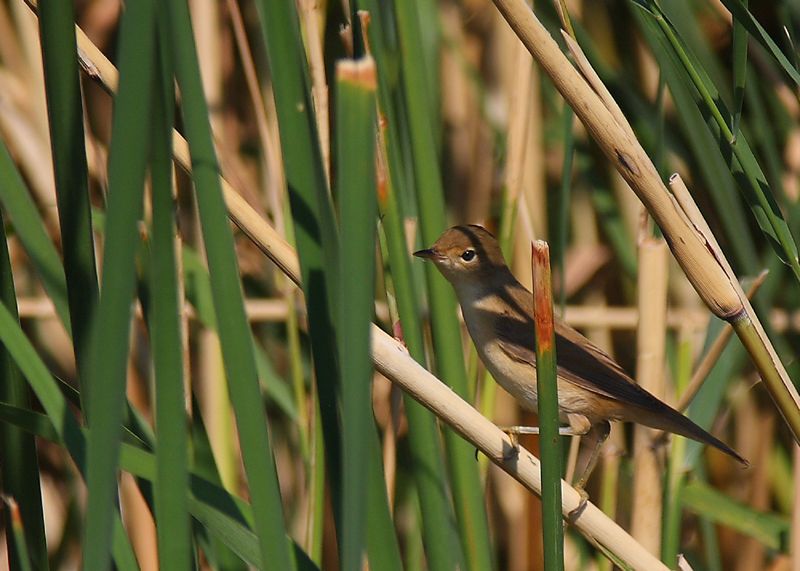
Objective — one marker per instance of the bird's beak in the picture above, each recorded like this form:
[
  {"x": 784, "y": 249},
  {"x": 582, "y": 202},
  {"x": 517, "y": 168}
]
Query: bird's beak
[{"x": 427, "y": 254}]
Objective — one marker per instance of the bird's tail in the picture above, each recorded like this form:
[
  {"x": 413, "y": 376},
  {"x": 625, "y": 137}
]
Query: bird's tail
[{"x": 670, "y": 420}]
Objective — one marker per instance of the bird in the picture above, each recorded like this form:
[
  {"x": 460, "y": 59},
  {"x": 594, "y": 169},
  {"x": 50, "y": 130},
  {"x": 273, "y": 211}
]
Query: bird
[{"x": 498, "y": 311}]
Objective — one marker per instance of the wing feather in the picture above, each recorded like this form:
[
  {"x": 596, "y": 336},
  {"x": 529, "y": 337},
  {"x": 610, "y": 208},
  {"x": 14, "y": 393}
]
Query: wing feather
[{"x": 580, "y": 362}]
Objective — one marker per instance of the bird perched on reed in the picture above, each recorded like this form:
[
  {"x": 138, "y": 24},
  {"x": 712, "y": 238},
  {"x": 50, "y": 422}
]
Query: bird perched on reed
[{"x": 592, "y": 388}]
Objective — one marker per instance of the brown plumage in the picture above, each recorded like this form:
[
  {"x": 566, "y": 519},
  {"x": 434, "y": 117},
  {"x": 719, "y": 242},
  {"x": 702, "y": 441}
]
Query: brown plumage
[{"x": 498, "y": 311}]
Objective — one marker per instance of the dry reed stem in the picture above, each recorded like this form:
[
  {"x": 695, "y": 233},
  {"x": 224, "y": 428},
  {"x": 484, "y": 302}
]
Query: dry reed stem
[
  {"x": 29, "y": 147},
  {"x": 581, "y": 265},
  {"x": 650, "y": 363},
  {"x": 4, "y": 559},
  {"x": 597, "y": 84},
  {"x": 683, "y": 565},
  {"x": 249, "y": 72},
  {"x": 586, "y": 233},
  {"x": 138, "y": 517},
  {"x": 691, "y": 243},
  {"x": 747, "y": 423},
  {"x": 97, "y": 66},
  {"x": 629, "y": 205},
  {"x": 471, "y": 166},
  {"x": 520, "y": 102},
  {"x": 750, "y": 551},
  {"x": 275, "y": 179},
  {"x": 27, "y": 30},
  {"x": 217, "y": 409},
  {"x": 139, "y": 523},
  {"x": 620, "y": 317},
  {"x": 268, "y": 310},
  {"x": 628, "y": 157},
  {"x": 521, "y": 512},
  {"x": 10, "y": 53},
  {"x": 747, "y": 325},
  {"x": 389, "y": 441},
  {"x": 527, "y": 233},
  {"x": 532, "y": 211},
  {"x": 205, "y": 19},
  {"x": 392, "y": 359},
  {"x": 714, "y": 352},
  {"x": 383, "y": 188},
  {"x": 513, "y": 503},
  {"x": 309, "y": 15}
]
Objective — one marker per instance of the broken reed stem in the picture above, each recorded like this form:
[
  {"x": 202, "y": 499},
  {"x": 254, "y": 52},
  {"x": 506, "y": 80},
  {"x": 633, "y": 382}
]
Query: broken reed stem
[
  {"x": 713, "y": 354},
  {"x": 393, "y": 361},
  {"x": 549, "y": 439},
  {"x": 684, "y": 228}
]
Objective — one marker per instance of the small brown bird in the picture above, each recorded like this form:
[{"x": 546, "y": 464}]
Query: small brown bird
[{"x": 498, "y": 311}]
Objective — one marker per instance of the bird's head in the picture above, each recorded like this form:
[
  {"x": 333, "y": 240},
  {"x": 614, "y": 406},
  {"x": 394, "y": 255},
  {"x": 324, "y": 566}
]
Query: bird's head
[{"x": 466, "y": 255}]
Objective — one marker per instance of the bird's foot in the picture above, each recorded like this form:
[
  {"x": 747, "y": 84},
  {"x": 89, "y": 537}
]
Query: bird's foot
[
  {"x": 512, "y": 452},
  {"x": 574, "y": 514}
]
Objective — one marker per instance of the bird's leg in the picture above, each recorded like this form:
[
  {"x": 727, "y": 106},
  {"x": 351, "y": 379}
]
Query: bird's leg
[
  {"x": 603, "y": 430},
  {"x": 513, "y": 432},
  {"x": 562, "y": 430},
  {"x": 574, "y": 429}
]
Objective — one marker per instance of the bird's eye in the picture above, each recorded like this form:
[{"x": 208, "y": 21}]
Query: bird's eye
[{"x": 468, "y": 255}]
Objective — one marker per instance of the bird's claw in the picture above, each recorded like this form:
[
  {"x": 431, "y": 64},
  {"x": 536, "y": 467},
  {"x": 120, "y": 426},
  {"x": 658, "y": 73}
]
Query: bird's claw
[
  {"x": 574, "y": 514},
  {"x": 511, "y": 453}
]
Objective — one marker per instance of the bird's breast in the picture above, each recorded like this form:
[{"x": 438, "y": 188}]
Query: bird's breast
[{"x": 516, "y": 377}]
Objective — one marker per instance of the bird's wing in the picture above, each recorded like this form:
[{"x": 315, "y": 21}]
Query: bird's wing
[
  {"x": 580, "y": 362},
  {"x": 585, "y": 365}
]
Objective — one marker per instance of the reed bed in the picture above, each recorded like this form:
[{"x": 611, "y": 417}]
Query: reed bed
[{"x": 217, "y": 352}]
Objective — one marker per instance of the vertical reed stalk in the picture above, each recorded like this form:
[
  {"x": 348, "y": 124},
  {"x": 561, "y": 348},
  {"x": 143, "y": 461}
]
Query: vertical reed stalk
[
  {"x": 355, "y": 182},
  {"x": 550, "y": 441},
  {"x": 19, "y": 555},
  {"x": 442, "y": 548},
  {"x": 109, "y": 339},
  {"x": 166, "y": 334},
  {"x": 676, "y": 469},
  {"x": 650, "y": 363},
  {"x": 467, "y": 497},
  {"x": 314, "y": 226},
  {"x": 235, "y": 336},
  {"x": 20, "y": 473},
  {"x": 64, "y": 109}
]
